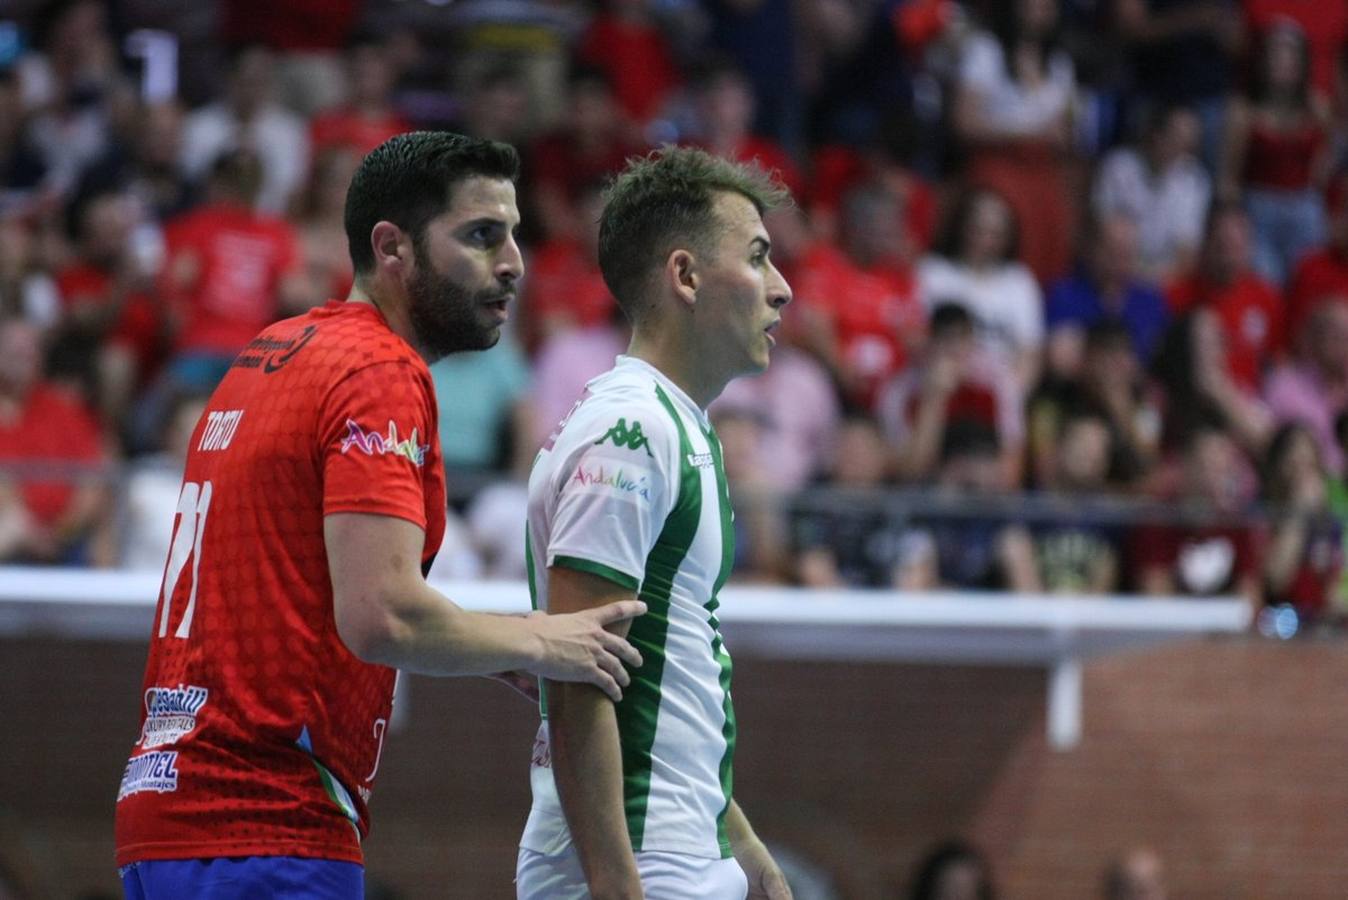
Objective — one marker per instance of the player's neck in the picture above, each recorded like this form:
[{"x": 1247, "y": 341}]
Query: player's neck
[
  {"x": 663, "y": 349},
  {"x": 393, "y": 313}
]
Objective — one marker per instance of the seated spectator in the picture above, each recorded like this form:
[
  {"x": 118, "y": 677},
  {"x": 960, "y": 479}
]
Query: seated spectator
[
  {"x": 110, "y": 307},
  {"x": 54, "y": 516},
  {"x": 152, "y": 488},
  {"x": 368, "y": 117},
  {"x": 1012, "y": 111},
  {"x": 1249, "y": 309},
  {"x": 1325, "y": 26},
  {"x": 486, "y": 422},
  {"x": 889, "y": 159},
  {"x": 760, "y": 539},
  {"x": 796, "y": 411},
  {"x": 1208, "y": 550},
  {"x": 229, "y": 273},
  {"x": 1312, "y": 387},
  {"x": 27, "y": 290},
  {"x": 1106, "y": 288},
  {"x": 564, "y": 364},
  {"x": 1163, "y": 189},
  {"x": 858, "y": 304},
  {"x": 563, "y": 287},
  {"x": 319, "y": 219},
  {"x": 966, "y": 547},
  {"x": 843, "y": 538},
  {"x": 1197, "y": 384},
  {"x": 953, "y": 870},
  {"x": 725, "y": 117},
  {"x": 23, "y": 170},
  {"x": 144, "y": 158},
  {"x": 1276, "y": 153},
  {"x": 495, "y": 106},
  {"x": 1110, "y": 383},
  {"x": 1137, "y": 874},
  {"x": 1303, "y": 564},
  {"x": 954, "y": 379},
  {"x": 67, "y": 83},
  {"x": 249, "y": 118},
  {"x": 628, "y": 44},
  {"x": 1075, "y": 554},
  {"x": 592, "y": 145},
  {"x": 1323, "y": 272},
  {"x": 975, "y": 265}
]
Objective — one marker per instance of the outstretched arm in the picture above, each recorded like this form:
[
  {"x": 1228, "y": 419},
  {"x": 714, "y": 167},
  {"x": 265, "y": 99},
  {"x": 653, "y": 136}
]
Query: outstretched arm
[{"x": 387, "y": 613}]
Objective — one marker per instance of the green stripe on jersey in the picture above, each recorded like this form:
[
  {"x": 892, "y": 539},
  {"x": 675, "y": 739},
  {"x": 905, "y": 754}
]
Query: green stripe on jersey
[
  {"x": 533, "y": 604},
  {"x": 640, "y": 706},
  {"x": 622, "y": 579},
  {"x": 718, "y": 651}
]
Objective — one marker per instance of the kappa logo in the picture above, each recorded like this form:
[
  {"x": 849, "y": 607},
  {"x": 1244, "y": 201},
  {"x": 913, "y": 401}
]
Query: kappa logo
[
  {"x": 701, "y": 460},
  {"x": 370, "y": 443},
  {"x": 630, "y": 438}
]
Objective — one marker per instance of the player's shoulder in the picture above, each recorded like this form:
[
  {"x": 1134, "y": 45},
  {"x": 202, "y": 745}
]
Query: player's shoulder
[
  {"x": 625, "y": 412},
  {"x": 339, "y": 338}
]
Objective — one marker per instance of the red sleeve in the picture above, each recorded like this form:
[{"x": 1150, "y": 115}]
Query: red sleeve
[{"x": 376, "y": 432}]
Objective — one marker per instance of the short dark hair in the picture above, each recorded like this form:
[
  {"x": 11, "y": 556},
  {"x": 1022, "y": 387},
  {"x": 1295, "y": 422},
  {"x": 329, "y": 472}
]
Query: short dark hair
[
  {"x": 665, "y": 199},
  {"x": 409, "y": 180},
  {"x": 950, "y": 242}
]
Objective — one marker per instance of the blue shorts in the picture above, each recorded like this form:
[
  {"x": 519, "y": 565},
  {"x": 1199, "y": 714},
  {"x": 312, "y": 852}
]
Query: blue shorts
[{"x": 289, "y": 877}]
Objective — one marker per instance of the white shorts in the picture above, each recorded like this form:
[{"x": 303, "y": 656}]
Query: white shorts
[{"x": 664, "y": 876}]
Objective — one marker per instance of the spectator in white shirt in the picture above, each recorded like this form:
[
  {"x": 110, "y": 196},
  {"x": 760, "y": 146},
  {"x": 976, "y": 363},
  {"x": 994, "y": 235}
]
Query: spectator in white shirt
[
  {"x": 976, "y": 266},
  {"x": 1163, "y": 189},
  {"x": 248, "y": 117}
]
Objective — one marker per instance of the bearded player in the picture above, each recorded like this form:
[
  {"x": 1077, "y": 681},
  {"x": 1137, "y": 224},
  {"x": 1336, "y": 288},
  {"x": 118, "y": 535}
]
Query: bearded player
[{"x": 312, "y": 506}]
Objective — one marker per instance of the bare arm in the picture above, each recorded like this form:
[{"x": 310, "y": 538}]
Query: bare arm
[
  {"x": 586, "y": 754},
  {"x": 765, "y": 877},
  {"x": 387, "y": 613}
]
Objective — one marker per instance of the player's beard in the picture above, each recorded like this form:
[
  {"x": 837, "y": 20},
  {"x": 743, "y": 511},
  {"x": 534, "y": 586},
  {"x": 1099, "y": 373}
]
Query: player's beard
[{"x": 448, "y": 318}]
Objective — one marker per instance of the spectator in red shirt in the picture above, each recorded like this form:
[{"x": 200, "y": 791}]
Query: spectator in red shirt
[
  {"x": 230, "y": 272},
  {"x": 837, "y": 168},
  {"x": 368, "y": 117},
  {"x": 1325, "y": 26},
  {"x": 627, "y": 43},
  {"x": 564, "y": 288},
  {"x": 594, "y": 144},
  {"x": 48, "y": 516},
  {"x": 1324, "y": 272},
  {"x": 1276, "y": 153},
  {"x": 860, "y": 309},
  {"x": 1249, "y": 308},
  {"x": 726, "y": 107},
  {"x": 319, "y": 219},
  {"x": 1212, "y": 552},
  {"x": 1304, "y": 562},
  {"x": 109, "y": 305}
]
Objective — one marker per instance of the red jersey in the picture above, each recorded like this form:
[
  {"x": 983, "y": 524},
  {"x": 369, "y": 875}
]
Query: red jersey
[
  {"x": 241, "y": 257},
  {"x": 350, "y": 128},
  {"x": 260, "y": 732},
  {"x": 873, "y": 312},
  {"x": 1320, "y": 275},
  {"x": 52, "y": 426},
  {"x": 137, "y": 329},
  {"x": 564, "y": 282},
  {"x": 1251, "y": 313}
]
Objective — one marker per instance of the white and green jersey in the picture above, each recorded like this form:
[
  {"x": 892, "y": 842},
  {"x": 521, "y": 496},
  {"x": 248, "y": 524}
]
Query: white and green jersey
[{"x": 632, "y": 488}]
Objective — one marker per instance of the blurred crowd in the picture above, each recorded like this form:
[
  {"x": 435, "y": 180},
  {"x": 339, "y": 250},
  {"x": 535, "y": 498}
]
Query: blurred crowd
[{"x": 1070, "y": 276}]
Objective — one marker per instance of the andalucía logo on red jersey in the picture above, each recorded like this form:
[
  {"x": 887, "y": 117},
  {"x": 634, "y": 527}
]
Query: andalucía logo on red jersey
[{"x": 370, "y": 443}]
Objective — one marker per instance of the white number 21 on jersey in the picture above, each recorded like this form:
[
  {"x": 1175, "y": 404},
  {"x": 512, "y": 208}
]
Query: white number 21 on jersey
[{"x": 193, "y": 504}]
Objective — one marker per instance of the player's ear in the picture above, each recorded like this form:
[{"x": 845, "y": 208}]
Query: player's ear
[
  {"x": 390, "y": 245},
  {"x": 682, "y": 275}
]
